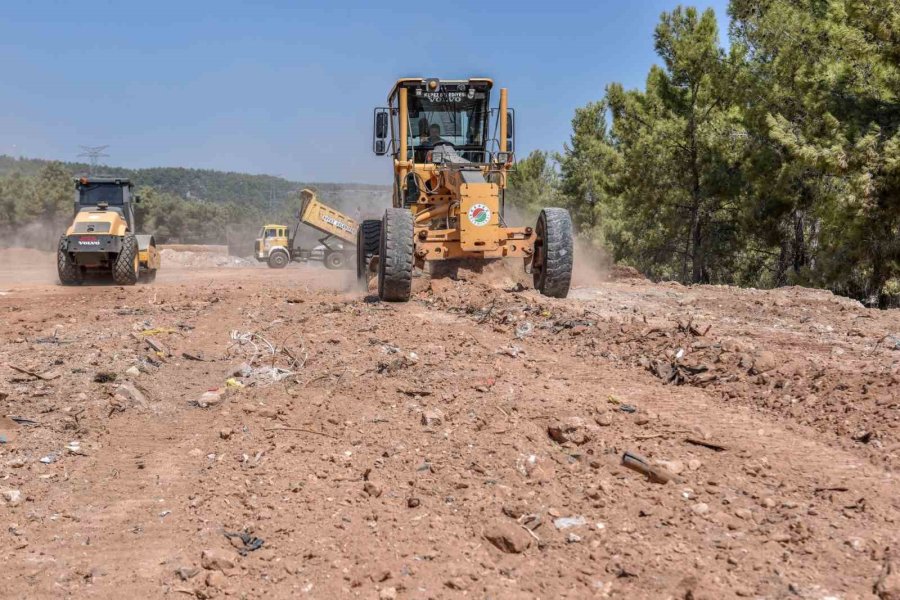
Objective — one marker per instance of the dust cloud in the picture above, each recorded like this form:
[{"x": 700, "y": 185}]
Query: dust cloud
[{"x": 28, "y": 253}]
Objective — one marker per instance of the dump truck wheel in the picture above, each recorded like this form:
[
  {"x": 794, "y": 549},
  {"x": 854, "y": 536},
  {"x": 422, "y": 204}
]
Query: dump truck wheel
[
  {"x": 334, "y": 260},
  {"x": 553, "y": 253},
  {"x": 69, "y": 273},
  {"x": 127, "y": 267},
  {"x": 278, "y": 259},
  {"x": 368, "y": 239},
  {"x": 395, "y": 256}
]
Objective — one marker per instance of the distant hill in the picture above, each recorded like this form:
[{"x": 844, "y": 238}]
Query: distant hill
[{"x": 262, "y": 191}]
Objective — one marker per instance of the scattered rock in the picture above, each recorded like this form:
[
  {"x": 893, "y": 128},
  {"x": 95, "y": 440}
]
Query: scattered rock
[
  {"x": 216, "y": 580},
  {"x": 12, "y": 497},
  {"x": 432, "y": 417},
  {"x": 571, "y": 429},
  {"x": 217, "y": 560},
  {"x": 567, "y": 522},
  {"x": 185, "y": 573},
  {"x": 887, "y": 587},
  {"x": 604, "y": 419},
  {"x": 268, "y": 413},
  {"x": 130, "y": 395},
  {"x": 243, "y": 370},
  {"x": 764, "y": 361},
  {"x": 388, "y": 593},
  {"x": 413, "y": 502},
  {"x": 508, "y": 537},
  {"x": 225, "y": 433},
  {"x": 673, "y": 466},
  {"x": 701, "y": 508},
  {"x": 211, "y": 398},
  {"x": 132, "y": 371},
  {"x": 372, "y": 489}
]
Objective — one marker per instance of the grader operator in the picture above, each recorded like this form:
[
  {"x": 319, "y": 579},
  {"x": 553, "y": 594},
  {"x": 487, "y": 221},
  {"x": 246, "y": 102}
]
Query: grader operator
[{"x": 451, "y": 155}]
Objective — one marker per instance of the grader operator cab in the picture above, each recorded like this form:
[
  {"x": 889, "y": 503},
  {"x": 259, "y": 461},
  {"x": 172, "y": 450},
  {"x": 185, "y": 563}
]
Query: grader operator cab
[
  {"x": 102, "y": 238},
  {"x": 452, "y": 154}
]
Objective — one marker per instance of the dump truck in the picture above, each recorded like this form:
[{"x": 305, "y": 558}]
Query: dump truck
[
  {"x": 451, "y": 155},
  {"x": 278, "y": 246},
  {"x": 102, "y": 239}
]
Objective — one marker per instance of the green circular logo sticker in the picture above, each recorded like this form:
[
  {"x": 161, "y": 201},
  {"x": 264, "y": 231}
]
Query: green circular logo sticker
[{"x": 479, "y": 215}]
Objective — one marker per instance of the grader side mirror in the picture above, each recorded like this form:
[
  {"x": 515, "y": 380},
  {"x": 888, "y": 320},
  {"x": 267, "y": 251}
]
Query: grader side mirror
[
  {"x": 511, "y": 130},
  {"x": 379, "y": 141}
]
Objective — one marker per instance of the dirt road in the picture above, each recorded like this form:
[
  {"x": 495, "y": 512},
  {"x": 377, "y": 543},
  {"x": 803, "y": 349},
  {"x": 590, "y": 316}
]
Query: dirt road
[{"x": 466, "y": 444}]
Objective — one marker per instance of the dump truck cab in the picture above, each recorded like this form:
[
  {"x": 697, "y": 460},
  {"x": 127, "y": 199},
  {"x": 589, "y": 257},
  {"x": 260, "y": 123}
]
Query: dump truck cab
[
  {"x": 451, "y": 155},
  {"x": 274, "y": 246},
  {"x": 102, "y": 236}
]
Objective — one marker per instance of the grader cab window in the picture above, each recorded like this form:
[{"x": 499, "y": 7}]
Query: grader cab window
[{"x": 458, "y": 118}]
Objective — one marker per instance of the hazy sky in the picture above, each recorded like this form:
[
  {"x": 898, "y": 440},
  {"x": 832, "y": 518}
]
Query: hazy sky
[{"x": 287, "y": 87}]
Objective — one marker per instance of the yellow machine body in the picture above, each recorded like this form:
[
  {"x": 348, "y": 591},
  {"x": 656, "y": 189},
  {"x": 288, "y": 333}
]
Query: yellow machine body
[
  {"x": 101, "y": 239},
  {"x": 458, "y": 204}
]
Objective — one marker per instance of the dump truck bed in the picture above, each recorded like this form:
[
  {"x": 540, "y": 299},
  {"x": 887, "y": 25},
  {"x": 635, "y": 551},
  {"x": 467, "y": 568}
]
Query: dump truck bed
[{"x": 325, "y": 219}]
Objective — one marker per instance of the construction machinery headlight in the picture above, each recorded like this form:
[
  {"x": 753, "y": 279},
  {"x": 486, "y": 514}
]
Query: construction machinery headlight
[{"x": 505, "y": 158}]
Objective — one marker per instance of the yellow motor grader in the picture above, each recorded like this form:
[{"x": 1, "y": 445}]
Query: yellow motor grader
[
  {"x": 102, "y": 239},
  {"x": 452, "y": 153}
]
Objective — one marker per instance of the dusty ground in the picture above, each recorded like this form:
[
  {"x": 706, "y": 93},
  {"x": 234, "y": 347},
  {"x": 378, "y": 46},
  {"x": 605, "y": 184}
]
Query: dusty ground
[{"x": 438, "y": 449}]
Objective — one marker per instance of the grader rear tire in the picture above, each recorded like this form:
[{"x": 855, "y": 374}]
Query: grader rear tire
[
  {"x": 69, "y": 272},
  {"x": 395, "y": 256},
  {"x": 126, "y": 268},
  {"x": 553, "y": 253},
  {"x": 368, "y": 239}
]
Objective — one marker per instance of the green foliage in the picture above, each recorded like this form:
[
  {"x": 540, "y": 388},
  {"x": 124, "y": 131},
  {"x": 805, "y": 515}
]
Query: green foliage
[
  {"x": 532, "y": 185},
  {"x": 192, "y": 206},
  {"x": 777, "y": 162},
  {"x": 587, "y": 166}
]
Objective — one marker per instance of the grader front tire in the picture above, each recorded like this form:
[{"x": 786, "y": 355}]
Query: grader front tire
[
  {"x": 395, "y": 256},
  {"x": 553, "y": 253}
]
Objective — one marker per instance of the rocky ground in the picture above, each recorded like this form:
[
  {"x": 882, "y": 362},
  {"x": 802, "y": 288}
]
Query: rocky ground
[{"x": 245, "y": 432}]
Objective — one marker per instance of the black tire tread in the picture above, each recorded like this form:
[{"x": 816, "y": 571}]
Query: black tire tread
[
  {"x": 123, "y": 272},
  {"x": 69, "y": 273},
  {"x": 368, "y": 239},
  {"x": 340, "y": 261},
  {"x": 395, "y": 261},
  {"x": 274, "y": 264},
  {"x": 558, "y": 253}
]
